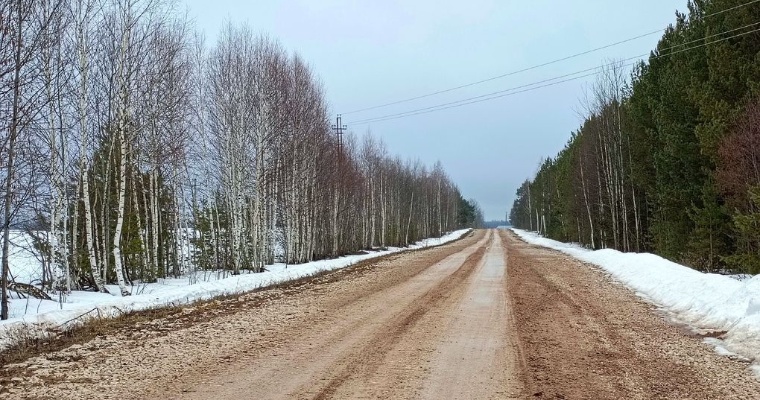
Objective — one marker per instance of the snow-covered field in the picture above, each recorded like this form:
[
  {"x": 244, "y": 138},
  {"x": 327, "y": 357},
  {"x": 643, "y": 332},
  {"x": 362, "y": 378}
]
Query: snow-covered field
[
  {"x": 705, "y": 302},
  {"x": 36, "y": 317}
]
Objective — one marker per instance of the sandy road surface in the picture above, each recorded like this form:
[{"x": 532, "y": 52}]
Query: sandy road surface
[
  {"x": 438, "y": 334},
  {"x": 583, "y": 336},
  {"x": 487, "y": 317}
]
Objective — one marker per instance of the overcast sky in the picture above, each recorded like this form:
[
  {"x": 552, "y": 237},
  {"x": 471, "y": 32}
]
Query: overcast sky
[{"x": 369, "y": 53}]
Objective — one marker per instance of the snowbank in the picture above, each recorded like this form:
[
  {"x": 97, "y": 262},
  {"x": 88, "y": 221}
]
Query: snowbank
[
  {"x": 32, "y": 317},
  {"x": 706, "y": 302}
]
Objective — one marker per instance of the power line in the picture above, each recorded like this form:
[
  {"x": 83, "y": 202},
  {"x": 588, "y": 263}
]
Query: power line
[
  {"x": 527, "y": 87},
  {"x": 698, "y": 40},
  {"x": 539, "y": 65},
  {"x": 730, "y": 9},
  {"x": 505, "y": 75},
  {"x": 465, "y": 102},
  {"x": 548, "y": 82}
]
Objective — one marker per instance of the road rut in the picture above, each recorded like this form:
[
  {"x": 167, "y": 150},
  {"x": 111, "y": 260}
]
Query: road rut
[{"x": 436, "y": 335}]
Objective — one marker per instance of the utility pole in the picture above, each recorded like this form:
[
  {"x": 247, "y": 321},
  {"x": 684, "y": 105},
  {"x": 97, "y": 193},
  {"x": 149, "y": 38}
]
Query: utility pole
[{"x": 339, "y": 128}]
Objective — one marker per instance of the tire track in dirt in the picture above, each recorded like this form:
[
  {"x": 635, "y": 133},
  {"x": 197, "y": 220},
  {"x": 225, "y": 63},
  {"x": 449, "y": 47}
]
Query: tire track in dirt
[
  {"x": 479, "y": 356},
  {"x": 365, "y": 360},
  {"x": 312, "y": 355}
]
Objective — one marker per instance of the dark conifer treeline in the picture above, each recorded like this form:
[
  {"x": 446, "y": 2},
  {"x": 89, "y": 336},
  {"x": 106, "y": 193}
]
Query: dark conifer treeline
[{"x": 668, "y": 160}]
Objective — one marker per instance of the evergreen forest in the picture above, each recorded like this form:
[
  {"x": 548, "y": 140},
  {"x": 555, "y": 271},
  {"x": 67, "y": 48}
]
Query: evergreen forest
[{"x": 667, "y": 159}]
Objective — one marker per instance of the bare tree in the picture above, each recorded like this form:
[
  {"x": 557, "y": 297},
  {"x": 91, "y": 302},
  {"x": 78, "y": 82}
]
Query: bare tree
[{"x": 23, "y": 33}]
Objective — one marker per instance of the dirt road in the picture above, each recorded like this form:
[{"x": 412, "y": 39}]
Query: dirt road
[{"x": 487, "y": 317}]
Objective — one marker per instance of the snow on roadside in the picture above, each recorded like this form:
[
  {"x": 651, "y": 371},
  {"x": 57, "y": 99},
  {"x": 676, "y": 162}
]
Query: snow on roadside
[
  {"x": 706, "y": 302},
  {"x": 35, "y": 318}
]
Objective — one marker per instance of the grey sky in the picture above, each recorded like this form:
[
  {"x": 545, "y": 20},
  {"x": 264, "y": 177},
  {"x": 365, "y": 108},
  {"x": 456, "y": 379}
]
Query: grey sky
[{"x": 374, "y": 52}]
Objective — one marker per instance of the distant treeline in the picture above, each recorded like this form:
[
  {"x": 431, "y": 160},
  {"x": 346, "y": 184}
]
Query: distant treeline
[
  {"x": 668, "y": 158},
  {"x": 494, "y": 224}
]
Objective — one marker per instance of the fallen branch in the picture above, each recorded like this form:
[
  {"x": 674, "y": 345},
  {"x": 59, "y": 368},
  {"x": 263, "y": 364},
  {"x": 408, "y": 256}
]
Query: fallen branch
[{"x": 25, "y": 288}]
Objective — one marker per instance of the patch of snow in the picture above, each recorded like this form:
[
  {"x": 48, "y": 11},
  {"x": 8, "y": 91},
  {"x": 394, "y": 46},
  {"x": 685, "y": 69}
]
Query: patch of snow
[
  {"x": 706, "y": 302},
  {"x": 24, "y": 258},
  {"x": 35, "y": 318}
]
